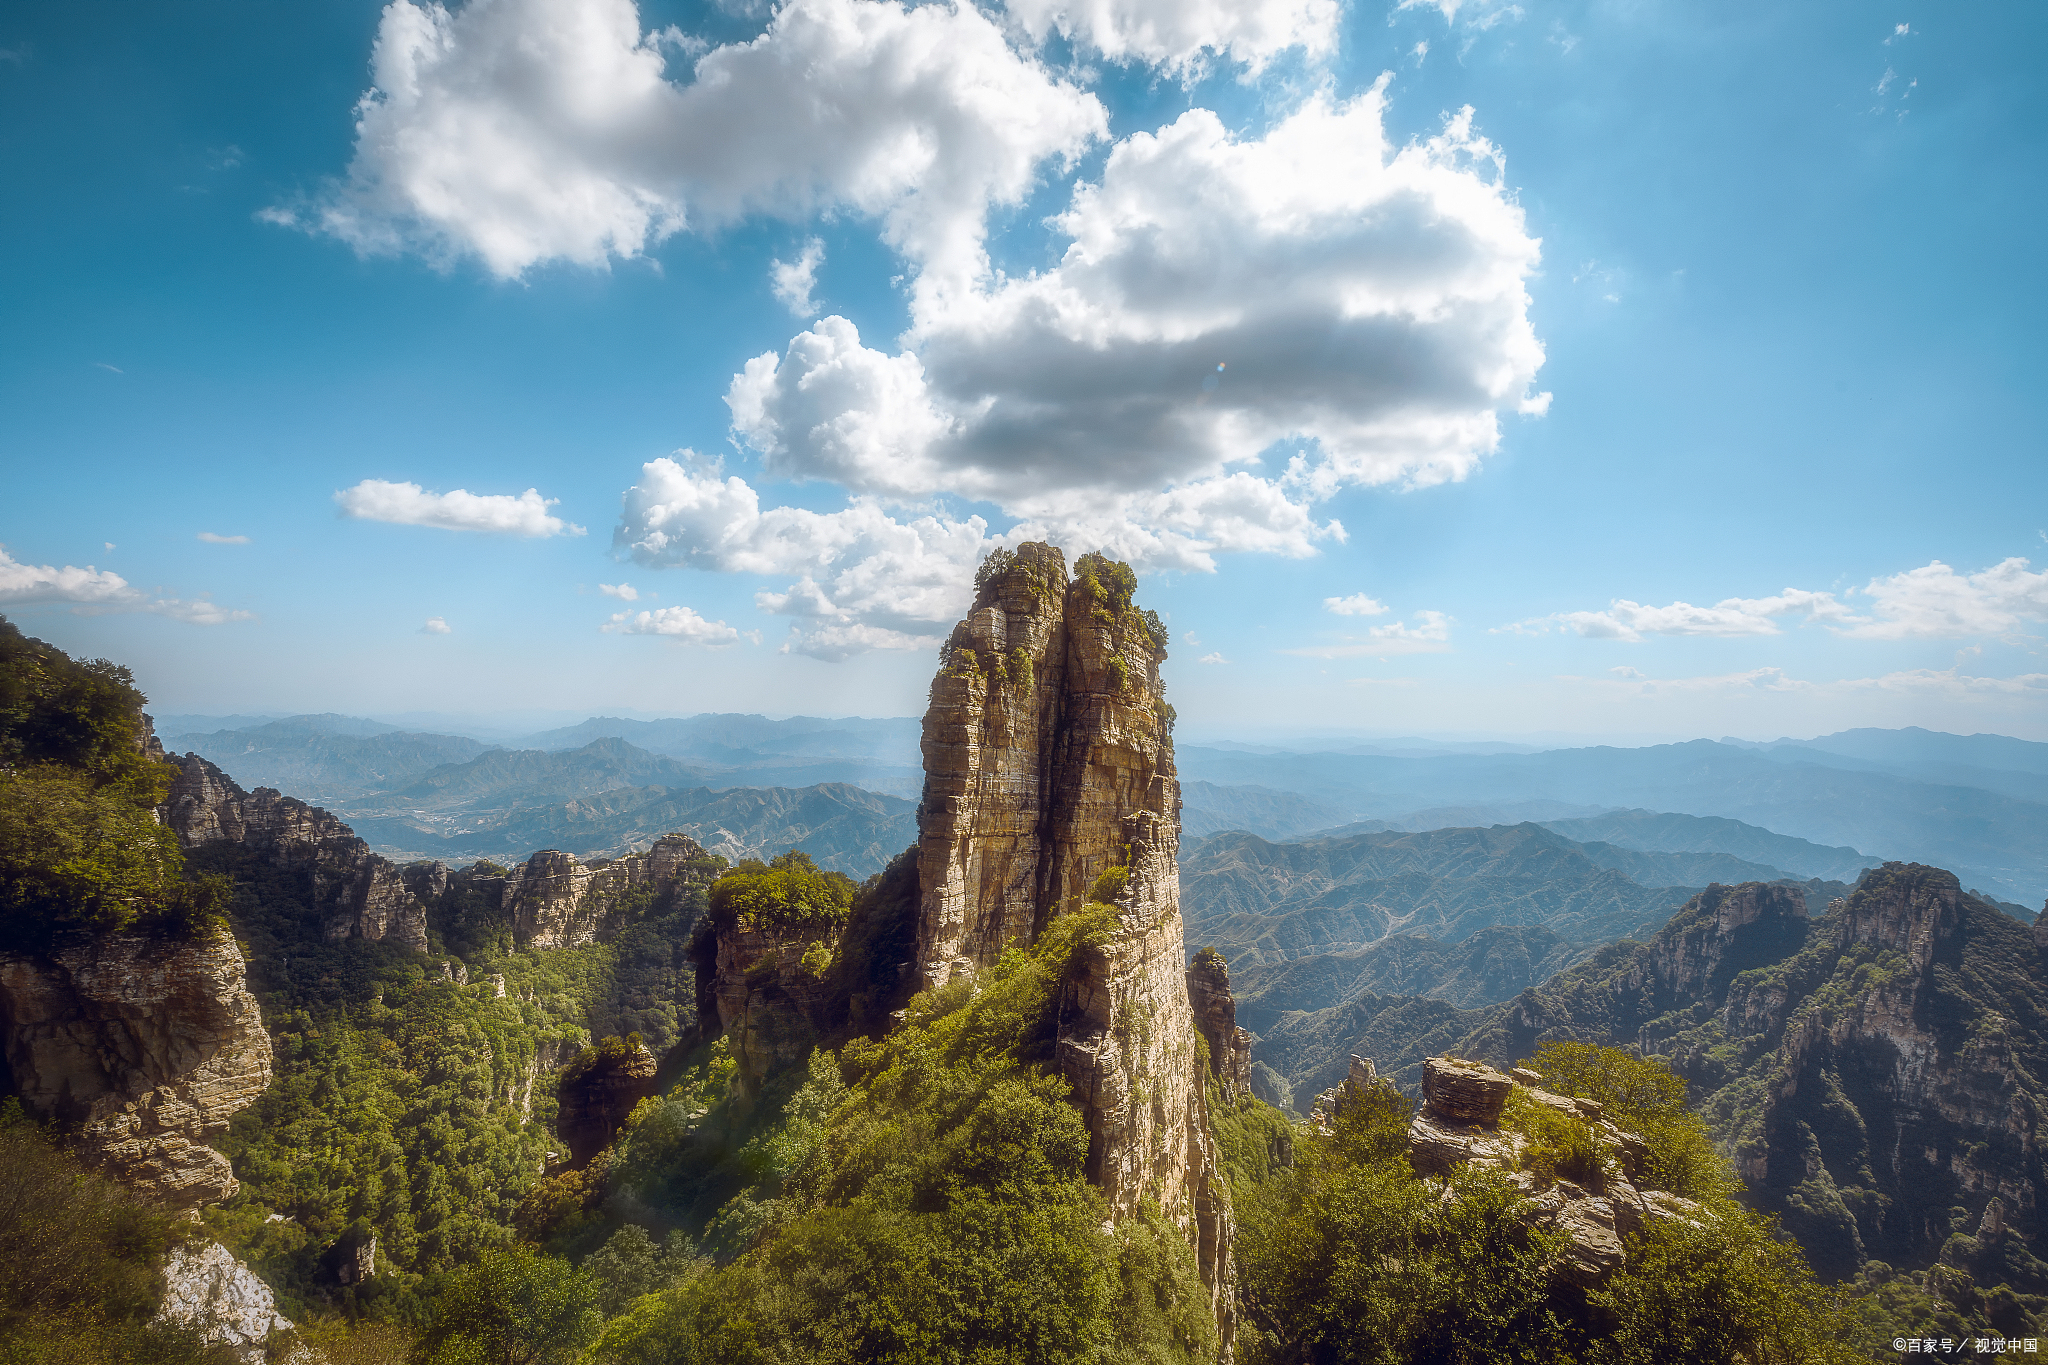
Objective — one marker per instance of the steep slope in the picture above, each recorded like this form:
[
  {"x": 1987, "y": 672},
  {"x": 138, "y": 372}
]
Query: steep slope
[
  {"x": 1878, "y": 1073},
  {"x": 359, "y": 894}
]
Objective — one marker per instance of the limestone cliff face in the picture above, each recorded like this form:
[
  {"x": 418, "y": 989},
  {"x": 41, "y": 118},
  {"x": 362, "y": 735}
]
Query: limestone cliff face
[
  {"x": 145, "y": 1049},
  {"x": 360, "y": 895},
  {"x": 1215, "y": 1009},
  {"x": 557, "y": 902},
  {"x": 1049, "y": 762}
]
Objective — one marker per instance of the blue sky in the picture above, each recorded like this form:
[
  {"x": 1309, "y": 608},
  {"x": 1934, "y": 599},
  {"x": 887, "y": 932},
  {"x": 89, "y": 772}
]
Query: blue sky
[{"x": 1777, "y": 269}]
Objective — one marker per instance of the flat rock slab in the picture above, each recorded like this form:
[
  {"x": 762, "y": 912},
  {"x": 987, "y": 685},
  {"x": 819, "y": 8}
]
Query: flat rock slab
[{"x": 1462, "y": 1092}]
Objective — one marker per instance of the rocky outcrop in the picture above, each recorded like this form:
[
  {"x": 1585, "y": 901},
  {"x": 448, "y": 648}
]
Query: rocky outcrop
[
  {"x": 598, "y": 1092},
  {"x": 143, "y": 1049},
  {"x": 358, "y": 894},
  {"x": 1050, "y": 783},
  {"x": 1215, "y": 1011},
  {"x": 556, "y": 902},
  {"x": 769, "y": 995},
  {"x": 208, "y": 1290}
]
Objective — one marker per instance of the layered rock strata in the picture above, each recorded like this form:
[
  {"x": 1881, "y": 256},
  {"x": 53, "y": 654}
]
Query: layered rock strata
[
  {"x": 1215, "y": 1010},
  {"x": 1048, "y": 764},
  {"x": 358, "y": 894},
  {"x": 769, "y": 995},
  {"x": 556, "y": 902},
  {"x": 144, "y": 1049}
]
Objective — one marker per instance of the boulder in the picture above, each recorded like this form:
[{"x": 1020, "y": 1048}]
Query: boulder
[{"x": 1461, "y": 1092}]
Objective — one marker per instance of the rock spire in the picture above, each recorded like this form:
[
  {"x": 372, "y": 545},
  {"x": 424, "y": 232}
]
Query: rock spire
[{"x": 1050, "y": 785}]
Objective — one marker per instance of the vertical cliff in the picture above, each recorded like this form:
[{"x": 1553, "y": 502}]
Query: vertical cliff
[
  {"x": 359, "y": 895},
  {"x": 144, "y": 1049},
  {"x": 1049, "y": 784},
  {"x": 1215, "y": 1008}
]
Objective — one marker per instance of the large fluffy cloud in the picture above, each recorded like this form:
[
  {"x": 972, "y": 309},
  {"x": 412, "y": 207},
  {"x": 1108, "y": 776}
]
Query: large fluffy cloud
[
  {"x": 1221, "y": 296},
  {"x": 522, "y": 131},
  {"x": 99, "y": 590},
  {"x": 862, "y": 579},
  {"x": 1931, "y": 602},
  {"x": 408, "y": 504}
]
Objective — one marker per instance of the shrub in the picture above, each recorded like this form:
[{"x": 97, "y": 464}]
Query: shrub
[{"x": 786, "y": 897}]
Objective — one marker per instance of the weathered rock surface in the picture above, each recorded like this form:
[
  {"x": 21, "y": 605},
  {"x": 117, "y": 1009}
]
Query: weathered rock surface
[
  {"x": 557, "y": 902},
  {"x": 1049, "y": 762},
  {"x": 1465, "y": 1092},
  {"x": 758, "y": 991},
  {"x": 598, "y": 1093},
  {"x": 206, "y": 1288},
  {"x": 1230, "y": 1047},
  {"x": 359, "y": 895},
  {"x": 144, "y": 1049}
]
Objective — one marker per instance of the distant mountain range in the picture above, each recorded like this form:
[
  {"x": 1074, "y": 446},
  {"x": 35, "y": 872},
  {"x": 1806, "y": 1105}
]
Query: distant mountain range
[{"x": 1910, "y": 795}]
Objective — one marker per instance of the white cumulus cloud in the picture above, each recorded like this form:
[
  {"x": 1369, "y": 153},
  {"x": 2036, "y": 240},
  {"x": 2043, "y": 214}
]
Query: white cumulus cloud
[
  {"x": 92, "y": 590},
  {"x": 1358, "y": 604},
  {"x": 213, "y": 538},
  {"x": 1936, "y": 601},
  {"x": 793, "y": 281},
  {"x": 680, "y": 624},
  {"x": 524, "y": 131},
  {"x": 863, "y": 579},
  {"x": 437, "y": 625},
  {"x": 1181, "y": 34},
  {"x": 408, "y": 504}
]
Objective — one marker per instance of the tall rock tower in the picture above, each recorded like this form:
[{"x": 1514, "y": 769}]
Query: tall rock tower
[{"x": 1048, "y": 752}]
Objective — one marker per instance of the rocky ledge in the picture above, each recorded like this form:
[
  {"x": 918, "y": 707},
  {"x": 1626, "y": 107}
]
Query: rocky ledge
[
  {"x": 1459, "y": 1124},
  {"x": 144, "y": 1049}
]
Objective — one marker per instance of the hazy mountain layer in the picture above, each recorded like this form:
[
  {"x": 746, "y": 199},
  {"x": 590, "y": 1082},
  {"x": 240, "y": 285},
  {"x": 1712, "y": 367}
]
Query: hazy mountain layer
[
  {"x": 511, "y": 778},
  {"x": 1490, "y": 966},
  {"x": 1270, "y": 902},
  {"x": 845, "y": 829},
  {"x": 324, "y": 759},
  {"x": 1209, "y": 809},
  {"x": 1661, "y": 831},
  {"x": 1992, "y": 839}
]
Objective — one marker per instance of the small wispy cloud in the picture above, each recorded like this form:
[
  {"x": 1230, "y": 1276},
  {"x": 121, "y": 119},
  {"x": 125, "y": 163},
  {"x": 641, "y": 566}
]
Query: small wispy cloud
[
  {"x": 1425, "y": 632},
  {"x": 116, "y": 369},
  {"x": 437, "y": 625},
  {"x": 1216, "y": 658},
  {"x": 625, "y": 592},
  {"x": 215, "y": 538}
]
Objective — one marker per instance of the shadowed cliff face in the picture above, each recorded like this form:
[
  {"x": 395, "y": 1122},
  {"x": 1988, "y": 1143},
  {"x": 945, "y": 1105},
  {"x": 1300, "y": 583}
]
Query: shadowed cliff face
[
  {"x": 145, "y": 1049},
  {"x": 1049, "y": 762},
  {"x": 556, "y": 902},
  {"x": 359, "y": 894}
]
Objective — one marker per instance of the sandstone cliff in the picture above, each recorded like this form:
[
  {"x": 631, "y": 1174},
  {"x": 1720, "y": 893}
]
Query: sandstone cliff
[
  {"x": 144, "y": 1049},
  {"x": 1049, "y": 782},
  {"x": 358, "y": 894},
  {"x": 554, "y": 901},
  {"x": 598, "y": 1092}
]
